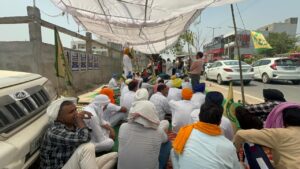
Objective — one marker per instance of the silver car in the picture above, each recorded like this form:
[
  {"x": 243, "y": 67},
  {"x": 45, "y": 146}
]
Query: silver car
[{"x": 228, "y": 70}]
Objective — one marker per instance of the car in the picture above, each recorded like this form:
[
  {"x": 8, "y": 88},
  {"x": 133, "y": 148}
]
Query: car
[
  {"x": 278, "y": 68},
  {"x": 228, "y": 70},
  {"x": 24, "y": 98}
]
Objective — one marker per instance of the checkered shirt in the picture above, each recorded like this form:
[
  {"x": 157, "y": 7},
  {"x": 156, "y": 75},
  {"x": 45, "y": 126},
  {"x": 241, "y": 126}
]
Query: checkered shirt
[
  {"x": 59, "y": 143},
  {"x": 262, "y": 110}
]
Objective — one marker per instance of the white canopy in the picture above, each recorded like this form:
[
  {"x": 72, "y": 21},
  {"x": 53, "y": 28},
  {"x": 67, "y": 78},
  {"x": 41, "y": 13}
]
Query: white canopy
[{"x": 148, "y": 26}]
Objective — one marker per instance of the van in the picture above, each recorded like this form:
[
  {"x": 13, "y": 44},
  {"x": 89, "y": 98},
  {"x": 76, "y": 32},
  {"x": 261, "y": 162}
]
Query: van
[{"x": 24, "y": 98}]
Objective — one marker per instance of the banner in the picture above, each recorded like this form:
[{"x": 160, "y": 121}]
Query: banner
[
  {"x": 61, "y": 65},
  {"x": 229, "y": 107},
  {"x": 259, "y": 41}
]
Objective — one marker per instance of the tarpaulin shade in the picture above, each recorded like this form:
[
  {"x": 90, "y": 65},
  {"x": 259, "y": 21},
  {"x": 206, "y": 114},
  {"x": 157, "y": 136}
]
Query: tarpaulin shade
[{"x": 148, "y": 26}]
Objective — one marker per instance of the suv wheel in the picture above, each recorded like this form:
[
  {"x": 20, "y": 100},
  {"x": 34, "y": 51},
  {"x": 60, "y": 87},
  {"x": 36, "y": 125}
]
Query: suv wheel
[
  {"x": 265, "y": 78},
  {"x": 247, "y": 82},
  {"x": 219, "y": 79},
  {"x": 296, "y": 82}
]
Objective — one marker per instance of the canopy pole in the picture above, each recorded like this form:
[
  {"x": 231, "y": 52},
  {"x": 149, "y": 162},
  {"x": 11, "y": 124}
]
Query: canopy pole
[{"x": 239, "y": 55}]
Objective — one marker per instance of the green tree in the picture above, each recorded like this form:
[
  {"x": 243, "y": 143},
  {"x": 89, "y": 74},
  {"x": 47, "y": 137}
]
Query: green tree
[
  {"x": 187, "y": 38},
  {"x": 280, "y": 42}
]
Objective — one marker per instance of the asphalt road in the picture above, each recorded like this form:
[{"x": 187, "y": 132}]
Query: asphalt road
[{"x": 290, "y": 91}]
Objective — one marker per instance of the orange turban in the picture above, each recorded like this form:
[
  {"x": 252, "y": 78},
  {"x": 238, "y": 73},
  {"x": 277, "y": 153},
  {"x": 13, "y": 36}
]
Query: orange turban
[
  {"x": 187, "y": 93},
  {"x": 109, "y": 93}
]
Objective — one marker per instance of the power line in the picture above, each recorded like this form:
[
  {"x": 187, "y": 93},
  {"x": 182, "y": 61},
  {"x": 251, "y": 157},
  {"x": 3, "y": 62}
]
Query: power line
[{"x": 240, "y": 16}]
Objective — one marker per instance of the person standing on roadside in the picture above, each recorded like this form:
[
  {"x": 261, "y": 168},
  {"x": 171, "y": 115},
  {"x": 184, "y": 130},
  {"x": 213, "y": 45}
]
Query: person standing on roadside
[{"x": 196, "y": 69}]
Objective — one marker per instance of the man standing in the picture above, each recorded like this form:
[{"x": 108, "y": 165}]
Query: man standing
[
  {"x": 169, "y": 67},
  {"x": 127, "y": 65},
  {"x": 196, "y": 69}
]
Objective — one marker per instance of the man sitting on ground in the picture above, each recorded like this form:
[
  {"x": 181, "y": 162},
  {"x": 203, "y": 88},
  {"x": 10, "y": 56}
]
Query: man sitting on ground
[
  {"x": 65, "y": 142},
  {"x": 159, "y": 99},
  {"x": 181, "y": 110},
  {"x": 102, "y": 134},
  {"x": 128, "y": 98},
  {"x": 202, "y": 145},
  {"x": 272, "y": 97}
]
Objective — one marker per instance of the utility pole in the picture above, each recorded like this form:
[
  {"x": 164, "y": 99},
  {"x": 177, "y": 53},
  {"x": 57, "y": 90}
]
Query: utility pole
[
  {"x": 213, "y": 30},
  {"x": 239, "y": 55}
]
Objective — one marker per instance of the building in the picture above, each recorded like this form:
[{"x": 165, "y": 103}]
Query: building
[
  {"x": 289, "y": 26},
  {"x": 223, "y": 46},
  {"x": 96, "y": 48}
]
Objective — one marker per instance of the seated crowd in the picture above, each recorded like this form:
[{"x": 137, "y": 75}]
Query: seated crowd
[{"x": 150, "y": 113}]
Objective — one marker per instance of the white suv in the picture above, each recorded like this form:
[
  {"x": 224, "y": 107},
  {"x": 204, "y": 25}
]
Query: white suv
[
  {"x": 278, "y": 68},
  {"x": 24, "y": 98}
]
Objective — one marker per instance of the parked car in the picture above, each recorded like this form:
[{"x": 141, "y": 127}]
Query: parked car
[
  {"x": 228, "y": 70},
  {"x": 24, "y": 98},
  {"x": 270, "y": 69}
]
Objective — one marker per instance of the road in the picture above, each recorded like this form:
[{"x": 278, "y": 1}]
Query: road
[{"x": 290, "y": 91}]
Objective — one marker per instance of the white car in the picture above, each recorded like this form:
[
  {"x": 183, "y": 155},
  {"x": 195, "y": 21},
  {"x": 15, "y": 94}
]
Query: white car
[
  {"x": 228, "y": 70},
  {"x": 269, "y": 69},
  {"x": 24, "y": 98}
]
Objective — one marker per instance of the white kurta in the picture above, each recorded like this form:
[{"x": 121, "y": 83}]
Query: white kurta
[
  {"x": 169, "y": 66},
  {"x": 99, "y": 135},
  {"x": 205, "y": 151},
  {"x": 181, "y": 113},
  {"x": 161, "y": 104},
  {"x": 139, "y": 146},
  {"x": 127, "y": 65},
  {"x": 198, "y": 99},
  {"x": 225, "y": 124},
  {"x": 112, "y": 114},
  {"x": 174, "y": 94},
  {"x": 127, "y": 99},
  {"x": 112, "y": 83}
]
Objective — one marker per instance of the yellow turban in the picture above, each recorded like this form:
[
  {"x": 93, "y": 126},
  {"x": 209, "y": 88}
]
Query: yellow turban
[
  {"x": 126, "y": 51},
  {"x": 187, "y": 93},
  {"x": 176, "y": 82}
]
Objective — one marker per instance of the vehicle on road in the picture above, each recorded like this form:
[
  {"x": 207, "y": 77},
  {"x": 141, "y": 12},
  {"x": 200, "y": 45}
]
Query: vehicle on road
[
  {"x": 228, "y": 70},
  {"x": 24, "y": 98},
  {"x": 278, "y": 68}
]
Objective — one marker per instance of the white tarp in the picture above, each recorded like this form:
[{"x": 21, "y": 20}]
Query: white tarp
[{"x": 148, "y": 26}]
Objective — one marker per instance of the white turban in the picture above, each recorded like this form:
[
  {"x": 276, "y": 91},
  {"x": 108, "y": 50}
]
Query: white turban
[
  {"x": 141, "y": 94},
  {"x": 53, "y": 108},
  {"x": 101, "y": 100},
  {"x": 148, "y": 115}
]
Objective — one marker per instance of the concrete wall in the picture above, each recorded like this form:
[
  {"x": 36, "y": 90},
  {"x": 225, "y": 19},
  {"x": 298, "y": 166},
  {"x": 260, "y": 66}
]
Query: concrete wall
[{"x": 18, "y": 56}]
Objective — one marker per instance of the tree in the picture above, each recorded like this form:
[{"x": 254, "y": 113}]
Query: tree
[
  {"x": 187, "y": 38},
  {"x": 280, "y": 42}
]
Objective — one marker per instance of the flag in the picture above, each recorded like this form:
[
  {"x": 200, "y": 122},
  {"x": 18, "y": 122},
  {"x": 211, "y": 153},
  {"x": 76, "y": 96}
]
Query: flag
[
  {"x": 229, "y": 108},
  {"x": 61, "y": 65},
  {"x": 259, "y": 41}
]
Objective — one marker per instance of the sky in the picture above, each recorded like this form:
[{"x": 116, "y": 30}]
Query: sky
[{"x": 254, "y": 13}]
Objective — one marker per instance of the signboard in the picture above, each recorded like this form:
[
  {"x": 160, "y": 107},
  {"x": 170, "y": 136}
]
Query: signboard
[
  {"x": 83, "y": 61},
  {"x": 90, "y": 61},
  {"x": 96, "y": 62},
  {"x": 74, "y": 61}
]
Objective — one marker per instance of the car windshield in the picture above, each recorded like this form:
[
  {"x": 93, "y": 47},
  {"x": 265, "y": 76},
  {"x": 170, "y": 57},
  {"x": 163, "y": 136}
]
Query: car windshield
[
  {"x": 233, "y": 63},
  {"x": 287, "y": 62}
]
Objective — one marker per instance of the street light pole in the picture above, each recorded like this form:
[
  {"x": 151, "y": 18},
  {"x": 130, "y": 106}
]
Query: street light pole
[{"x": 213, "y": 30}]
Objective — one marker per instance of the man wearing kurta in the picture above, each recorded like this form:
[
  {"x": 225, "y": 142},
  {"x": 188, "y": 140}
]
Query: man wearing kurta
[{"x": 202, "y": 145}]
